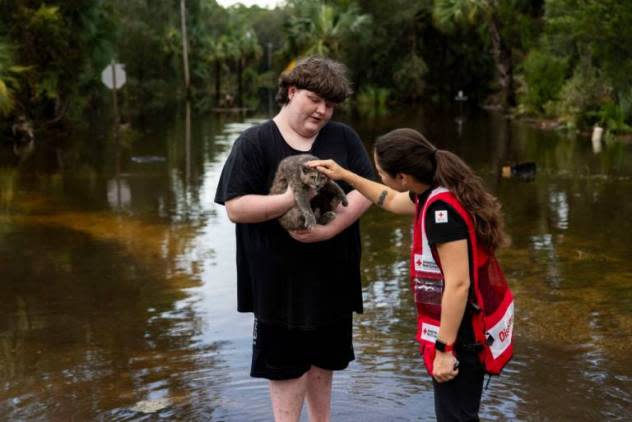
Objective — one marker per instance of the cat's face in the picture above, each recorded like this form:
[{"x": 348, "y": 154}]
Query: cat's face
[{"x": 312, "y": 178}]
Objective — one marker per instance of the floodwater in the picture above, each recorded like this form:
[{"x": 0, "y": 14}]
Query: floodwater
[{"x": 117, "y": 279}]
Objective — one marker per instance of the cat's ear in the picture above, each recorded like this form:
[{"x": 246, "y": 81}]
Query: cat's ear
[{"x": 304, "y": 168}]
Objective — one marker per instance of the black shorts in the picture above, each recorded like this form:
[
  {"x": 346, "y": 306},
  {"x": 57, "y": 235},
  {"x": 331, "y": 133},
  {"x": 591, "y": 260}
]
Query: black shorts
[{"x": 281, "y": 353}]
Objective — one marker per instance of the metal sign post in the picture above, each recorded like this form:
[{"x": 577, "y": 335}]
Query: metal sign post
[{"x": 114, "y": 77}]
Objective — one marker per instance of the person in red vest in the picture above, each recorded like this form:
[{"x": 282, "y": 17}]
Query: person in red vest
[{"x": 465, "y": 309}]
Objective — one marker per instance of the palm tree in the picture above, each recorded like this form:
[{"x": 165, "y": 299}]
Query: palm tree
[
  {"x": 448, "y": 13},
  {"x": 216, "y": 54},
  {"x": 8, "y": 81},
  {"x": 320, "y": 28},
  {"x": 247, "y": 48}
]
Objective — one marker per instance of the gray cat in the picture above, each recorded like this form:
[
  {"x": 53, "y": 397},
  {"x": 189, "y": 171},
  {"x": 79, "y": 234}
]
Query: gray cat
[{"x": 303, "y": 179}]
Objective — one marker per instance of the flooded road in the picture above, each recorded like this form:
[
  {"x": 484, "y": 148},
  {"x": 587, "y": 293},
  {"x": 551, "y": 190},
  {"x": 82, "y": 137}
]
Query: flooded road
[{"x": 118, "y": 280}]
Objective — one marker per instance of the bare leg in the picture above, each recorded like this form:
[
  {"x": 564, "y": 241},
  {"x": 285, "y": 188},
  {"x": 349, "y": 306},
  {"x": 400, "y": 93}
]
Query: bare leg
[
  {"x": 287, "y": 398},
  {"x": 319, "y": 394}
]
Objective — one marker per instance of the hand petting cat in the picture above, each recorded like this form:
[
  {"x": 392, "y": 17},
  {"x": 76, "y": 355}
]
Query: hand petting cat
[{"x": 329, "y": 168}]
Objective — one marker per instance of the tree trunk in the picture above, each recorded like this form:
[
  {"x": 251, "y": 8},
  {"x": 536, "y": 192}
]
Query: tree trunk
[
  {"x": 218, "y": 83},
  {"x": 413, "y": 52},
  {"x": 504, "y": 64},
  {"x": 240, "y": 66}
]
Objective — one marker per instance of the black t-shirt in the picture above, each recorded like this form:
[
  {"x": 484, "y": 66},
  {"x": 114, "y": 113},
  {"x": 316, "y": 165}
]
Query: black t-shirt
[
  {"x": 444, "y": 224},
  {"x": 281, "y": 280}
]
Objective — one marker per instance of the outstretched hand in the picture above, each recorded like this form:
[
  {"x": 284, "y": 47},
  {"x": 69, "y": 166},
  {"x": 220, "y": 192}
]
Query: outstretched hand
[{"x": 329, "y": 168}]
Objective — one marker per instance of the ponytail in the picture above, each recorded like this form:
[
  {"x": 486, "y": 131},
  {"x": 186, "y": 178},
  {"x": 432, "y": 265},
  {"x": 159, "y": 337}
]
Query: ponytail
[
  {"x": 408, "y": 151},
  {"x": 485, "y": 209}
]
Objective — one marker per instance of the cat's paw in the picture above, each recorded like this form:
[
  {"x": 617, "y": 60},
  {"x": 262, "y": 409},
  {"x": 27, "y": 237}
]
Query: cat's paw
[
  {"x": 310, "y": 221},
  {"x": 344, "y": 201},
  {"x": 327, "y": 218}
]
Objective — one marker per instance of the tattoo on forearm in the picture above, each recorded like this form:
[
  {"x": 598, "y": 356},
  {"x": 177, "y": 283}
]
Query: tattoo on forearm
[{"x": 380, "y": 200}]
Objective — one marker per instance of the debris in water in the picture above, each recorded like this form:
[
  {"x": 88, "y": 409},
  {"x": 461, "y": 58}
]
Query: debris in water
[
  {"x": 151, "y": 406},
  {"x": 523, "y": 171},
  {"x": 144, "y": 159}
]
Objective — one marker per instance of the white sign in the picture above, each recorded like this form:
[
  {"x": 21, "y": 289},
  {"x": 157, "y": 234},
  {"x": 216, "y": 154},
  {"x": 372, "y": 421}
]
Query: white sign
[{"x": 108, "y": 76}]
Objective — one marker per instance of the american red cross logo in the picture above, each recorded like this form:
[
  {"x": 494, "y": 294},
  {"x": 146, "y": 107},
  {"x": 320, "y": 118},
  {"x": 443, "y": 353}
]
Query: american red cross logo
[{"x": 441, "y": 216}]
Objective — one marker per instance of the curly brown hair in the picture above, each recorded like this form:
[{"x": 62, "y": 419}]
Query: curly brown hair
[
  {"x": 408, "y": 151},
  {"x": 325, "y": 77}
]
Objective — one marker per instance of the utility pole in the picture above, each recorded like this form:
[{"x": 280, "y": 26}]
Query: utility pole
[
  {"x": 185, "y": 47},
  {"x": 114, "y": 96}
]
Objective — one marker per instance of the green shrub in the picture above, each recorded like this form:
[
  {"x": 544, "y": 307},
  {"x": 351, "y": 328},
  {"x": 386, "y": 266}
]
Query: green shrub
[
  {"x": 625, "y": 103},
  {"x": 544, "y": 77},
  {"x": 372, "y": 100},
  {"x": 583, "y": 95},
  {"x": 613, "y": 117},
  {"x": 409, "y": 78}
]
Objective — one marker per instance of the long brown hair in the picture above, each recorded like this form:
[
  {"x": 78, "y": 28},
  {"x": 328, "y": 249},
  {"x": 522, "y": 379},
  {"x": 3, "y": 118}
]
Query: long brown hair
[{"x": 409, "y": 152}]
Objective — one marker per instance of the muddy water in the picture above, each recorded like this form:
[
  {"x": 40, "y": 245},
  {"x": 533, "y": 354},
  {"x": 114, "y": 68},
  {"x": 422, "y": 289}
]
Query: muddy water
[{"x": 117, "y": 279}]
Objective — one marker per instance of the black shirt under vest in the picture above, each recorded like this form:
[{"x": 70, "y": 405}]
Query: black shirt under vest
[
  {"x": 444, "y": 224},
  {"x": 281, "y": 280}
]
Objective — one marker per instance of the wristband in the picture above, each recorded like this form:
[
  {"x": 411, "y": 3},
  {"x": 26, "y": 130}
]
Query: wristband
[{"x": 442, "y": 347}]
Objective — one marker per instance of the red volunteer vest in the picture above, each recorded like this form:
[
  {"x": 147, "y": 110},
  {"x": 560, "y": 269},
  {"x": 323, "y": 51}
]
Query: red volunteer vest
[{"x": 493, "y": 320}]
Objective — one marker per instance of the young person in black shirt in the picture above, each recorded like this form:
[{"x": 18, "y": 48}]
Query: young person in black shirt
[
  {"x": 420, "y": 179},
  {"x": 302, "y": 286}
]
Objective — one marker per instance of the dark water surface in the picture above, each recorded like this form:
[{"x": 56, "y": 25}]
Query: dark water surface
[{"x": 117, "y": 280}]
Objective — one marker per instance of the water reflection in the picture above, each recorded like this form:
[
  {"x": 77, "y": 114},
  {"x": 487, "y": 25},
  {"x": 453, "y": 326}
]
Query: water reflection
[
  {"x": 119, "y": 193},
  {"x": 8, "y": 182},
  {"x": 118, "y": 280},
  {"x": 110, "y": 306},
  {"x": 559, "y": 209}
]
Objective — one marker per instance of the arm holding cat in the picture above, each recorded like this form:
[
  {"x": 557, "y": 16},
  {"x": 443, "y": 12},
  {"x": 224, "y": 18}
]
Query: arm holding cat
[
  {"x": 345, "y": 216},
  {"x": 259, "y": 208}
]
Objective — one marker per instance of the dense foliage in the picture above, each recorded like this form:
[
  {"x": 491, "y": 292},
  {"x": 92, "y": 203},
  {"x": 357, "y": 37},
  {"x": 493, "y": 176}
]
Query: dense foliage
[{"x": 563, "y": 59}]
